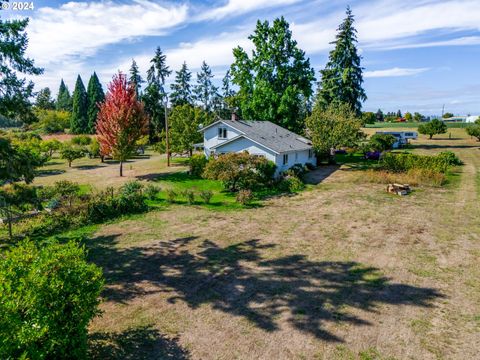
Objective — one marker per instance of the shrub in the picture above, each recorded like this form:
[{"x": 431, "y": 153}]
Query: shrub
[
  {"x": 190, "y": 196},
  {"x": 474, "y": 130},
  {"x": 450, "y": 158},
  {"x": 171, "y": 195},
  {"x": 297, "y": 170},
  {"x": 244, "y": 197},
  {"x": 291, "y": 184},
  {"x": 380, "y": 142},
  {"x": 48, "y": 296},
  {"x": 93, "y": 149},
  {"x": 81, "y": 140},
  {"x": 310, "y": 166},
  {"x": 151, "y": 191},
  {"x": 49, "y": 146},
  {"x": 197, "y": 164},
  {"x": 206, "y": 196},
  {"x": 131, "y": 188},
  {"x": 240, "y": 171}
]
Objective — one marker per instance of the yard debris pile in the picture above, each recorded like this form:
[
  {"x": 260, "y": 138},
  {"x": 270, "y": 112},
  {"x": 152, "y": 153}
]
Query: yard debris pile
[{"x": 399, "y": 189}]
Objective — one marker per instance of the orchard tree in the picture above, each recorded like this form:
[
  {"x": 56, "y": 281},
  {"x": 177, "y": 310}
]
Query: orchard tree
[
  {"x": 433, "y": 127},
  {"x": 95, "y": 96},
  {"x": 368, "y": 118},
  {"x": 447, "y": 115},
  {"x": 205, "y": 92},
  {"x": 181, "y": 92},
  {"x": 474, "y": 130},
  {"x": 121, "y": 121},
  {"x": 184, "y": 122},
  {"x": 71, "y": 152},
  {"x": 154, "y": 95},
  {"x": 15, "y": 92},
  {"x": 418, "y": 117},
  {"x": 44, "y": 100},
  {"x": 408, "y": 116},
  {"x": 64, "y": 100},
  {"x": 341, "y": 80},
  {"x": 332, "y": 128},
  {"x": 275, "y": 79},
  {"x": 79, "y": 119}
]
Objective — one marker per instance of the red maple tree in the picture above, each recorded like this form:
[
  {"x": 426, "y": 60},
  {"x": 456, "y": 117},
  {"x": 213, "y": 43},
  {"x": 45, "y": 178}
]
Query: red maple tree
[{"x": 121, "y": 120}]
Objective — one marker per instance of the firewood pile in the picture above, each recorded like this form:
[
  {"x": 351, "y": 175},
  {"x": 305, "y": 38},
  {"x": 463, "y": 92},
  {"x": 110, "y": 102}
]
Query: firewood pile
[{"x": 399, "y": 189}]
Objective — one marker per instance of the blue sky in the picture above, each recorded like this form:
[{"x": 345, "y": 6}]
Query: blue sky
[{"x": 418, "y": 55}]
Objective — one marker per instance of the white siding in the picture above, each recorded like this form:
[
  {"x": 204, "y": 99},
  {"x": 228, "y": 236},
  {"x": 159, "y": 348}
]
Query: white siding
[
  {"x": 252, "y": 148},
  {"x": 210, "y": 137},
  {"x": 294, "y": 157}
]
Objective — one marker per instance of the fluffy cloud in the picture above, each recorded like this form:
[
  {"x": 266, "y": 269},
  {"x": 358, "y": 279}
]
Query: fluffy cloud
[
  {"x": 79, "y": 29},
  {"x": 394, "y": 72}
]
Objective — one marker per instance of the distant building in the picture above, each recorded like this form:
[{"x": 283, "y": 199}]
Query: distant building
[
  {"x": 461, "y": 119},
  {"x": 402, "y": 137}
]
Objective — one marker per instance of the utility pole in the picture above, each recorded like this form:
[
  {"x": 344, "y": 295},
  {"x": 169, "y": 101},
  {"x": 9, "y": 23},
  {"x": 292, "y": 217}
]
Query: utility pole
[{"x": 166, "y": 131}]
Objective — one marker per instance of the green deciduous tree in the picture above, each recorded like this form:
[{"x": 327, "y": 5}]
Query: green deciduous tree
[
  {"x": 408, "y": 116},
  {"x": 368, "y": 117},
  {"x": 95, "y": 96},
  {"x": 64, "y": 100},
  {"x": 49, "y": 294},
  {"x": 341, "y": 80},
  {"x": 332, "y": 128},
  {"x": 205, "y": 92},
  {"x": 433, "y": 127},
  {"x": 181, "y": 92},
  {"x": 79, "y": 119},
  {"x": 447, "y": 115},
  {"x": 275, "y": 81},
  {"x": 15, "y": 92},
  {"x": 71, "y": 152},
  {"x": 44, "y": 100},
  {"x": 184, "y": 122},
  {"x": 474, "y": 130},
  {"x": 52, "y": 121}
]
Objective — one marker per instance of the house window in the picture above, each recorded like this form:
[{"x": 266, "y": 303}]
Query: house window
[
  {"x": 222, "y": 133},
  {"x": 310, "y": 153},
  {"x": 285, "y": 159}
]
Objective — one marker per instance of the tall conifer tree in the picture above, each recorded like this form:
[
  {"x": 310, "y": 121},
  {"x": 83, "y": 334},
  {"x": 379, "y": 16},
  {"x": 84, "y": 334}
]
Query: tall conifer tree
[
  {"x": 64, "y": 100},
  {"x": 135, "y": 78},
  {"x": 95, "y": 96},
  {"x": 205, "y": 92},
  {"x": 342, "y": 77},
  {"x": 181, "y": 92},
  {"x": 154, "y": 95},
  {"x": 79, "y": 118}
]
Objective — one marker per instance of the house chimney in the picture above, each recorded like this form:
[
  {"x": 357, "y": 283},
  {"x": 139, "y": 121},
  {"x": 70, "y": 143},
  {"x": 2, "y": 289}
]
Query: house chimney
[{"x": 234, "y": 116}]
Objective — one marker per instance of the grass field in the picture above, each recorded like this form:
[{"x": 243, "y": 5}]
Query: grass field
[
  {"x": 343, "y": 271},
  {"x": 411, "y": 125}
]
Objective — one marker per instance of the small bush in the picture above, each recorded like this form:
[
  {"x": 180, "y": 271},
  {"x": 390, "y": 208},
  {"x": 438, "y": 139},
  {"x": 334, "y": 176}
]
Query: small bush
[
  {"x": 402, "y": 162},
  {"x": 450, "y": 158},
  {"x": 131, "y": 188},
  {"x": 291, "y": 184},
  {"x": 81, "y": 140},
  {"x": 297, "y": 170},
  {"x": 48, "y": 296},
  {"x": 310, "y": 166},
  {"x": 190, "y": 196},
  {"x": 244, "y": 197},
  {"x": 197, "y": 164},
  {"x": 171, "y": 195},
  {"x": 206, "y": 196},
  {"x": 151, "y": 191}
]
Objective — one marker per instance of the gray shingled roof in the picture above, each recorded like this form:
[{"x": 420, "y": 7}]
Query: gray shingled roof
[{"x": 269, "y": 135}]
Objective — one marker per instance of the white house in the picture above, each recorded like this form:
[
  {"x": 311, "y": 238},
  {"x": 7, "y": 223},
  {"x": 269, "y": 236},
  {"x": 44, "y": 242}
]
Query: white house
[
  {"x": 262, "y": 138},
  {"x": 402, "y": 137}
]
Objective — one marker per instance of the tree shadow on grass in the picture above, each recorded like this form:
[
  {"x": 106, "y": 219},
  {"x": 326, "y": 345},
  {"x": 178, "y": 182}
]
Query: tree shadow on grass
[
  {"x": 135, "y": 344},
  {"x": 46, "y": 172},
  {"x": 445, "y": 147},
  {"x": 237, "y": 280}
]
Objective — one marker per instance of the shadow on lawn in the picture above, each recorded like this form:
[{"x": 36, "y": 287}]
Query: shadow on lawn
[
  {"x": 446, "y": 147},
  {"x": 237, "y": 280},
  {"x": 134, "y": 344}
]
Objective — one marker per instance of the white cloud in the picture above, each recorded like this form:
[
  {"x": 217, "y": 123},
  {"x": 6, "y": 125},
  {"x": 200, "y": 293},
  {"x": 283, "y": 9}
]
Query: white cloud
[
  {"x": 394, "y": 72},
  {"x": 79, "y": 29},
  {"x": 462, "y": 41},
  {"x": 238, "y": 7}
]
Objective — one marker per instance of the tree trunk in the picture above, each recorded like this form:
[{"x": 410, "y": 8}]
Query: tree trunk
[
  {"x": 9, "y": 220},
  {"x": 431, "y": 136},
  {"x": 69, "y": 164},
  {"x": 121, "y": 168},
  {"x": 191, "y": 152},
  {"x": 102, "y": 158}
]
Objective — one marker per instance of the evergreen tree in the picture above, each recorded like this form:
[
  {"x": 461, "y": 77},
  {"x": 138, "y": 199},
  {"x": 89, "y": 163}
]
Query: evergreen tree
[
  {"x": 225, "y": 102},
  {"x": 205, "y": 92},
  {"x": 342, "y": 78},
  {"x": 95, "y": 96},
  {"x": 399, "y": 114},
  {"x": 181, "y": 93},
  {"x": 64, "y": 100},
  {"x": 79, "y": 119},
  {"x": 15, "y": 92},
  {"x": 44, "y": 100},
  {"x": 379, "y": 116},
  {"x": 135, "y": 78},
  {"x": 276, "y": 78},
  {"x": 154, "y": 95}
]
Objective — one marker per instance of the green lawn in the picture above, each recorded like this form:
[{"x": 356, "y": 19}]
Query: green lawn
[{"x": 401, "y": 125}]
